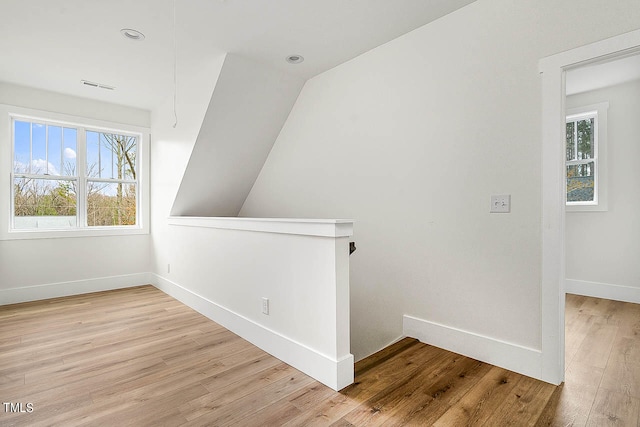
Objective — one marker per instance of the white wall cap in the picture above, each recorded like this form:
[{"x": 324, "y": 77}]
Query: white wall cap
[{"x": 300, "y": 226}]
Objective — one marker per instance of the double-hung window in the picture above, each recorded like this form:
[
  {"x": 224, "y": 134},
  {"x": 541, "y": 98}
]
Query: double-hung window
[
  {"x": 74, "y": 177},
  {"x": 582, "y": 159},
  {"x": 44, "y": 179},
  {"x": 585, "y": 168}
]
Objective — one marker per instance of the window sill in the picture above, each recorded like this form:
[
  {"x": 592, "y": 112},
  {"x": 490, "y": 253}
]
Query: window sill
[
  {"x": 61, "y": 234},
  {"x": 586, "y": 208}
]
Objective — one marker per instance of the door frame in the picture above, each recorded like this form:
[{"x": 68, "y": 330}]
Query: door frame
[{"x": 553, "y": 69}]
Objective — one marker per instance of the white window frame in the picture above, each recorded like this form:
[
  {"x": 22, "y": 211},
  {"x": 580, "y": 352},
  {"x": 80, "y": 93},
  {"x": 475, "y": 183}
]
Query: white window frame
[
  {"x": 7, "y": 232},
  {"x": 600, "y": 193}
]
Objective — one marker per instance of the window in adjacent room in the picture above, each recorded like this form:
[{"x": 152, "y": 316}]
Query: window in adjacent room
[
  {"x": 585, "y": 169},
  {"x": 73, "y": 177}
]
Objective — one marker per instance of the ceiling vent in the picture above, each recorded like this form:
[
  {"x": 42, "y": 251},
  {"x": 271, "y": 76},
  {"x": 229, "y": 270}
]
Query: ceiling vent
[{"x": 97, "y": 85}]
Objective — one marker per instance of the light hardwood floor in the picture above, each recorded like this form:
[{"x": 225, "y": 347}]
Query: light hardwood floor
[{"x": 138, "y": 357}]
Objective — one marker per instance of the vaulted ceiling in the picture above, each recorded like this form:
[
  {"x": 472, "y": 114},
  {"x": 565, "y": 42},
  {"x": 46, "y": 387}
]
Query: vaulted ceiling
[{"x": 54, "y": 44}]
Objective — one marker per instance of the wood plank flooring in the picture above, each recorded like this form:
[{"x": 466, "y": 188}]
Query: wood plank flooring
[
  {"x": 137, "y": 357},
  {"x": 602, "y": 365}
]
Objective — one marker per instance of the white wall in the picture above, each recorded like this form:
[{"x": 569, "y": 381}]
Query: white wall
[
  {"x": 225, "y": 273},
  {"x": 42, "y": 268},
  {"x": 172, "y": 148},
  {"x": 242, "y": 267},
  {"x": 249, "y": 105},
  {"x": 410, "y": 140},
  {"x": 27, "y": 97},
  {"x": 603, "y": 247}
]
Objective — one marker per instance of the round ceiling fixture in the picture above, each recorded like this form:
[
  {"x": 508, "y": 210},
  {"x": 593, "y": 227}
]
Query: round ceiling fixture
[
  {"x": 295, "y": 59},
  {"x": 132, "y": 34}
]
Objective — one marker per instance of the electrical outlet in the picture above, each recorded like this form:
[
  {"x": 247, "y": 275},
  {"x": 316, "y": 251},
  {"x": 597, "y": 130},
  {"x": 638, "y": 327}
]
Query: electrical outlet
[
  {"x": 265, "y": 306},
  {"x": 501, "y": 204}
]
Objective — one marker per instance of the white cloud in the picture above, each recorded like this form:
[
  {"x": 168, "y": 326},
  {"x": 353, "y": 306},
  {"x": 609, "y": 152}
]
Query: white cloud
[
  {"x": 39, "y": 166},
  {"x": 69, "y": 153},
  {"x": 20, "y": 167}
]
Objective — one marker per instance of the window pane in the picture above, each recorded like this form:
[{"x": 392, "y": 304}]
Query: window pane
[
  {"x": 130, "y": 144},
  {"x": 580, "y": 182},
  {"x": 54, "y": 150},
  {"x": 585, "y": 138},
  {"x": 44, "y": 203},
  {"x": 121, "y": 151},
  {"x": 111, "y": 156},
  {"x": 93, "y": 154},
  {"x": 38, "y": 149},
  {"x": 571, "y": 152},
  {"x": 22, "y": 146},
  {"x": 70, "y": 149},
  {"x": 111, "y": 204},
  {"x": 108, "y": 147}
]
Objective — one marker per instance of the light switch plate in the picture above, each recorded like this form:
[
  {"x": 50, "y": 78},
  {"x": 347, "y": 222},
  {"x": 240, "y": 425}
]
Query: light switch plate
[{"x": 501, "y": 203}]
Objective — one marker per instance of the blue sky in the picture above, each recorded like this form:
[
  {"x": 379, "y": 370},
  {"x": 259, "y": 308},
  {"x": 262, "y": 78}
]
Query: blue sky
[
  {"x": 31, "y": 148},
  {"x": 98, "y": 153},
  {"x": 51, "y": 149}
]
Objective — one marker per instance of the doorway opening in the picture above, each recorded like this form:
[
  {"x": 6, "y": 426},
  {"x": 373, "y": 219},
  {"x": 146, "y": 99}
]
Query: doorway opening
[
  {"x": 602, "y": 136},
  {"x": 554, "y": 70}
]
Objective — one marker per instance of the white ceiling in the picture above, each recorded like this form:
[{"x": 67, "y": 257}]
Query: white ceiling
[
  {"x": 54, "y": 44},
  {"x": 603, "y": 74}
]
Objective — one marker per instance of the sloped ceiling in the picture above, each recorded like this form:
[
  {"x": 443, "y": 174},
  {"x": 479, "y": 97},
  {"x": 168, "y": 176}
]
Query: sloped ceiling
[
  {"x": 53, "y": 44},
  {"x": 248, "y": 107}
]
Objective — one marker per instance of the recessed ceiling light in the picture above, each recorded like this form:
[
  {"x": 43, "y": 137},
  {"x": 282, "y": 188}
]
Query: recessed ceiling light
[
  {"x": 132, "y": 34},
  {"x": 295, "y": 59}
]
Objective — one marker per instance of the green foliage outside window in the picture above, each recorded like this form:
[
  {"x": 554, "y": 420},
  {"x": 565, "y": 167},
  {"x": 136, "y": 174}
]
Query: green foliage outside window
[{"x": 580, "y": 151}]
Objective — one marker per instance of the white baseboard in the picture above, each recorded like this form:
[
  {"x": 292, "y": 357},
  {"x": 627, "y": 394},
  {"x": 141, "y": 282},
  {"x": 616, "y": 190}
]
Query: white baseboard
[
  {"x": 523, "y": 360},
  {"x": 76, "y": 287},
  {"x": 336, "y": 374},
  {"x": 603, "y": 290}
]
